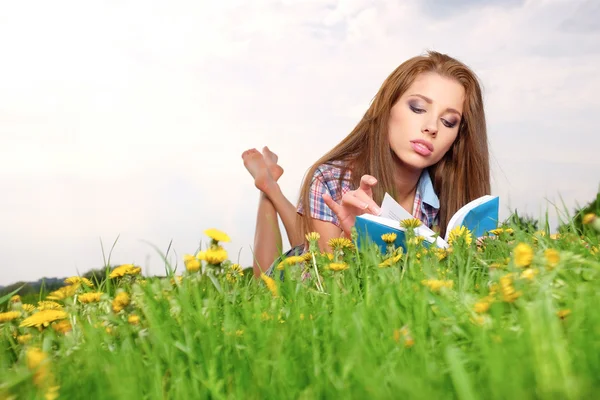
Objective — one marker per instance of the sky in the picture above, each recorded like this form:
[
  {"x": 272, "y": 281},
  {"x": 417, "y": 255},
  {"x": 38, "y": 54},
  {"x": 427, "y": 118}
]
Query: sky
[{"x": 126, "y": 120}]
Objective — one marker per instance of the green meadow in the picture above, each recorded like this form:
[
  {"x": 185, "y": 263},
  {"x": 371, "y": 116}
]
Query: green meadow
[{"x": 512, "y": 316}]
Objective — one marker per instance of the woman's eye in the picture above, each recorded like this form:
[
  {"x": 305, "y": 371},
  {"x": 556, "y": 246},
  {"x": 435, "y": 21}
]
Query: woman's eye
[
  {"x": 416, "y": 109},
  {"x": 448, "y": 124}
]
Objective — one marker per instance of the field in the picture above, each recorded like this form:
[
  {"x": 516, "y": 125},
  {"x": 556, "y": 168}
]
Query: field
[{"x": 512, "y": 316}]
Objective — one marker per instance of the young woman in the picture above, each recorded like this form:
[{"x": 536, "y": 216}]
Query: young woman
[{"x": 423, "y": 140}]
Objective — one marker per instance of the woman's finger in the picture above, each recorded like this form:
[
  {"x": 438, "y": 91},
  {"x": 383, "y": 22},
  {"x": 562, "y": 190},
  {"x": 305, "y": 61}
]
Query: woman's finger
[
  {"x": 365, "y": 198},
  {"x": 366, "y": 184},
  {"x": 350, "y": 200},
  {"x": 335, "y": 207}
]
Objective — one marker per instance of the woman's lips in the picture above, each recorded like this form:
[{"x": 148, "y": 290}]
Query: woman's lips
[{"x": 422, "y": 147}]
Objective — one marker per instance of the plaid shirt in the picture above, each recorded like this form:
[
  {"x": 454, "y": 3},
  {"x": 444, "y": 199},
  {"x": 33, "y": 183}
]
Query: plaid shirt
[{"x": 326, "y": 180}]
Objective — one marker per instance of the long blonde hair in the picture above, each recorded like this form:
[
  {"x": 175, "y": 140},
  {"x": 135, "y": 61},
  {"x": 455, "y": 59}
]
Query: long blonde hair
[{"x": 460, "y": 176}]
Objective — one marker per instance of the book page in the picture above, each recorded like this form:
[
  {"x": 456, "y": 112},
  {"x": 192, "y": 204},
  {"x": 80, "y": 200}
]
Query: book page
[{"x": 392, "y": 210}]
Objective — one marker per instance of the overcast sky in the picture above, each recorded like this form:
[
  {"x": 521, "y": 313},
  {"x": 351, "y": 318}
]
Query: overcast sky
[{"x": 129, "y": 117}]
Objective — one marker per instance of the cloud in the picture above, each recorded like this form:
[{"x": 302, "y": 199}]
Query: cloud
[{"x": 129, "y": 118}]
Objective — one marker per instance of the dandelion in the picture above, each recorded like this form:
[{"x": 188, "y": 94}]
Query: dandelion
[
  {"x": 562, "y": 314},
  {"x": 460, "y": 232},
  {"x": 9, "y": 316},
  {"x": 77, "y": 280},
  {"x": 62, "y": 293},
  {"x": 417, "y": 240},
  {"x": 436, "y": 284},
  {"x": 24, "y": 339},
  {"x": 336, "y": 267},
  {"x": 313, "y": 237},
  {"x": 271, "y": 285},
  {"x": 43, "y": 318},
  {"x": 404, "y": 333},
  {"x": 529, "y": 274},
  {"x": 15, "y": 299},
  {"x": 125, "y": 269},
  {"x": 410, "y": 223},
  {"x": 235, "y": 271},
  {"x": 48, "y": 305},
  {"x": 133, "y": 319},
  {"x": 389, "y": 238},
  {"x": 340, "y": 243},
  {"x": 588, "y": 218},
  {"x": 481, "y": 306},
  {"x": 308, "y": 256},
  {"x": 509, "y": 294},
  {"x": 552, "y": 258},
  {"x": 217, "y": 235},
  {"x": 120, "y": 301},
  {"x": 523, "y": 254},
  {"x": 215, "y": 255},
  {"x": 292, "y": 260},
  {"x": 499, "y": 231},
  {"x": 63, "y": 326},
  {"x": 329, "y": 256},
  {"x": 91, "y": 297},
  {"x": 440, "y": 253},
  {"x": 192, "y": 264}
]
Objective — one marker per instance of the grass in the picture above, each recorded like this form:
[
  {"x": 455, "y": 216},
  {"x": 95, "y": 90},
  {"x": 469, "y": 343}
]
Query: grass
[{"x": 410, "y": 330}]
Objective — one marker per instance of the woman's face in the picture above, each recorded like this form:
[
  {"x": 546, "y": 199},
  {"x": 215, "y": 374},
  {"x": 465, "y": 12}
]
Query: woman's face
[{"x": 424, "y": 121}]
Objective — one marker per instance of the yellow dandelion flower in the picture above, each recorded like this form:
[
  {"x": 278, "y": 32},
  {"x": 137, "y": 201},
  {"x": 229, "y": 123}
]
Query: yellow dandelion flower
[
  {"x": 271, "y": 285},
  {"x": 312, "y": 236},
  {"x": 481, "y": 306},
  {"x": 388, "y": 262},
  {"x": 291, "y": 260},
  {"x": 201, "y": 255},
  {"x": 410, "y": 223},
  {"x": 62, "y": 293},
  {"x": 49, "y": 305},
  {"x": 417, "y": 240},
  {"x": 120, "y": 301},
  {"x": 15, "y": 299},
  {"x": 509, "y": 294},
  {"x": 523, "y": 254},
  {"x": 38, "y": 361},
  {"x": 499, "y": 231},
  {"x": 588, "y": 218},
  {"x": 215, "y": 255},
  {"x": 308, "y": 256},
  {"x": 552, "y": 258},
  {"x": 43, "y": 318},
  {"x": 440, "y": 253},
  {"x": 77, "y": 280},
  {"x": 24, "y": 339},
  {"x": 91, "y": 297},
  {"x": 62, "y": 326},
  {"x": 562, "y": 314},
  {"x": 338, "y": 267},
  {"x": 436, "y": 284},
  {"x": 460, "y": 232},
  {"x": 329, "y": 256},
  {"x": 133, "y": 319},
  {"x": 594, "y": 250},
  {"x": 9, "y": 316},
  {"x": 389, "y": 238},
  {"x": 125, "y": 269},
  {"x": 192, "y": 264},
  {"x": 529, "y": 274},
  {"x": 555, "y": 236},
  {"x": 27, "y": 307},
  {"x": 235, "y": 271},
  {"x": 217, "y": 235},
  {"x": 340, "y": 243}
]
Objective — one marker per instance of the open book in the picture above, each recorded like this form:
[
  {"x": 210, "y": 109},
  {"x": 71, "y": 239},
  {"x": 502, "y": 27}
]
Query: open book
[{"x": 479, "y": 216}]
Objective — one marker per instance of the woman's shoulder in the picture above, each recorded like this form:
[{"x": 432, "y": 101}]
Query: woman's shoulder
[{"x": 333, "y": 170}]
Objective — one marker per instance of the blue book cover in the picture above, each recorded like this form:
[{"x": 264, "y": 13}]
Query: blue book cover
[{"x": 479, "y": 216}]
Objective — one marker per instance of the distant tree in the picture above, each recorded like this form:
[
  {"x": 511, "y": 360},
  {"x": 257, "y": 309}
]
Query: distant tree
[
  {"x": 576, "y": 223},
  {"x": 522, "y": 222}
]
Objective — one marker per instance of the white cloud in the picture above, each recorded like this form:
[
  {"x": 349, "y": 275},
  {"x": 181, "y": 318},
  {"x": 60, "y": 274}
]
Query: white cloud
[{"x": 130, "y": 117}]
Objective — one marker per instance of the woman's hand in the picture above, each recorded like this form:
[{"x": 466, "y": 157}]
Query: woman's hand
[{"x": 354, "y": 202}]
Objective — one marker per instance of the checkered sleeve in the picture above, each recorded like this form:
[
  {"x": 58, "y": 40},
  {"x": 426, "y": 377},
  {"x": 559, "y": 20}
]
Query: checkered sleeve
[{"x": 324, "y": 181}]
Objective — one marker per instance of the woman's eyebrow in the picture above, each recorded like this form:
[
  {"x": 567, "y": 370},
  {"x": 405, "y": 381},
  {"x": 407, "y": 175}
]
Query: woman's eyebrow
[{"x": 429, "y": 101}]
